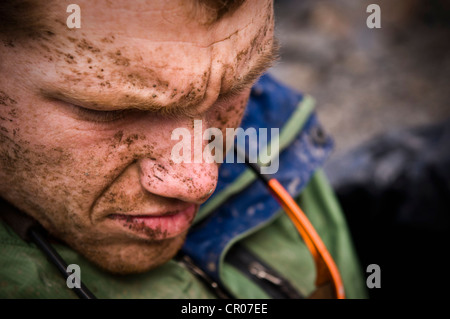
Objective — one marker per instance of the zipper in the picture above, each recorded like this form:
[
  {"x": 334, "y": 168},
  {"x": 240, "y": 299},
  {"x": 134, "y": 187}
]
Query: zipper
[
  {"x": 187, "y": 262},
  {"x": 269, "y": 280},
  {"x": 261, "y": 272}
]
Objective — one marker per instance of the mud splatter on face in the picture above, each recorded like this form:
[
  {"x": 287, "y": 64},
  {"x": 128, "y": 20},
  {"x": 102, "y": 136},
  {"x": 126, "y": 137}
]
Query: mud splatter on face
[
  {"x": 72, "y": 173},
  {"x": 140, "y": 227},
  {"x": 5, "y": 100}
]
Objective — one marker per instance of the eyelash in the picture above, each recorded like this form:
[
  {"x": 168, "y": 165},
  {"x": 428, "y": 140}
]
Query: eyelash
[{"x": 100, "y": 116}]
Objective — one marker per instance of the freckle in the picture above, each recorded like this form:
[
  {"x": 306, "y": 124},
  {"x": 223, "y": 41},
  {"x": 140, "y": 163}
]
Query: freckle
[
  {"x": 154, "y": 85},
  {"x": 154, "y": 95},
  {"x": 102, "y": 70}
]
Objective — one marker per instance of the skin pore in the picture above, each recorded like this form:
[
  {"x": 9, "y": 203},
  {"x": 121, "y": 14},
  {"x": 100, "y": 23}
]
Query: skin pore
[{"x": 86, "y": 117}]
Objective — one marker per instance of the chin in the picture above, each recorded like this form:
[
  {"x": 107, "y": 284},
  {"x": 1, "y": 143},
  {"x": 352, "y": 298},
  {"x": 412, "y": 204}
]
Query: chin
[{"x": 132, "y": 258}]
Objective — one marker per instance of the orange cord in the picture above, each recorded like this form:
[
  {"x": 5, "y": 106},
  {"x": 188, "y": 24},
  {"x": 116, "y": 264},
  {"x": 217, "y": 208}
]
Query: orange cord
[{"x": 326, "y": 267}]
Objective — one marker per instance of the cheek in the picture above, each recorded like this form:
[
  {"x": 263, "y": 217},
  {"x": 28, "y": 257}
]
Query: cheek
[
  {"x": 51, "y": 168},
  {"x": 31, "y": 172}
]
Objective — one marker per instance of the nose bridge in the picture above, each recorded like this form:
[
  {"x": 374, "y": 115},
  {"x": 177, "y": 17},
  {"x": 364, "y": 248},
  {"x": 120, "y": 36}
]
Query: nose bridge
[{"x": 192, "y": 179}]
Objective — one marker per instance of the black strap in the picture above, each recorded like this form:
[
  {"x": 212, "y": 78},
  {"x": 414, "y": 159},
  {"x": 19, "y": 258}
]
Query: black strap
[
  {"x": 215, "y": 287},
  {"x": 31, "y": 231}
]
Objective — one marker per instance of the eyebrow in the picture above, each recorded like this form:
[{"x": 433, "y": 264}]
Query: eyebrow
[{"x": 264, "y": 62}]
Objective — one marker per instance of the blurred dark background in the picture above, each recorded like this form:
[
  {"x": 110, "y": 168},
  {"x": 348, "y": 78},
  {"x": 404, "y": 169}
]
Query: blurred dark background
[{"x": 383, "y": 94}]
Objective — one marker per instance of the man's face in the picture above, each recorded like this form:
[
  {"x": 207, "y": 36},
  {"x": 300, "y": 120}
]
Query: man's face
[{"x": 86, "y": 117}]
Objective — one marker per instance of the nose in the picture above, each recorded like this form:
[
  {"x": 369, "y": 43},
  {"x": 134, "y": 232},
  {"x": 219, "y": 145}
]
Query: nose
[{"x": 190, "y": 181}]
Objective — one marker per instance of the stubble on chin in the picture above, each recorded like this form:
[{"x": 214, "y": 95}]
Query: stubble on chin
[{"x": 127, "y": 257}]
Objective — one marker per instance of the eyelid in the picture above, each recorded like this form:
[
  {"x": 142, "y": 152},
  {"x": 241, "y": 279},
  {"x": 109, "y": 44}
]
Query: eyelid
[
  {"x": 97, "y": 116},
  {"x": 107, "y": 116}
]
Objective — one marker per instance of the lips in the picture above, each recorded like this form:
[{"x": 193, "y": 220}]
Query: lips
[{"x": 158, "y": 227}]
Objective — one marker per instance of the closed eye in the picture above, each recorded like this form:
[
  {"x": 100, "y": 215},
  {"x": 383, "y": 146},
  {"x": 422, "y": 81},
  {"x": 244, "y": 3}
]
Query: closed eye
[{"x": 97, "y": 116}]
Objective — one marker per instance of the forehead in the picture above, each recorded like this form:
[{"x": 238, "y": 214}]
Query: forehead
[{"x": 129, "y": 51}]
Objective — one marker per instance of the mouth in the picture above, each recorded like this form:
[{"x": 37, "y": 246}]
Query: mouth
[{"x": 160, "y": 226}]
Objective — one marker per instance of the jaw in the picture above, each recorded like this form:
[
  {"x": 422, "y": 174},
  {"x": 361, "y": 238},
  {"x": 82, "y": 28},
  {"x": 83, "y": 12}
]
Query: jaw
[{"x": 131, "y": 257}]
